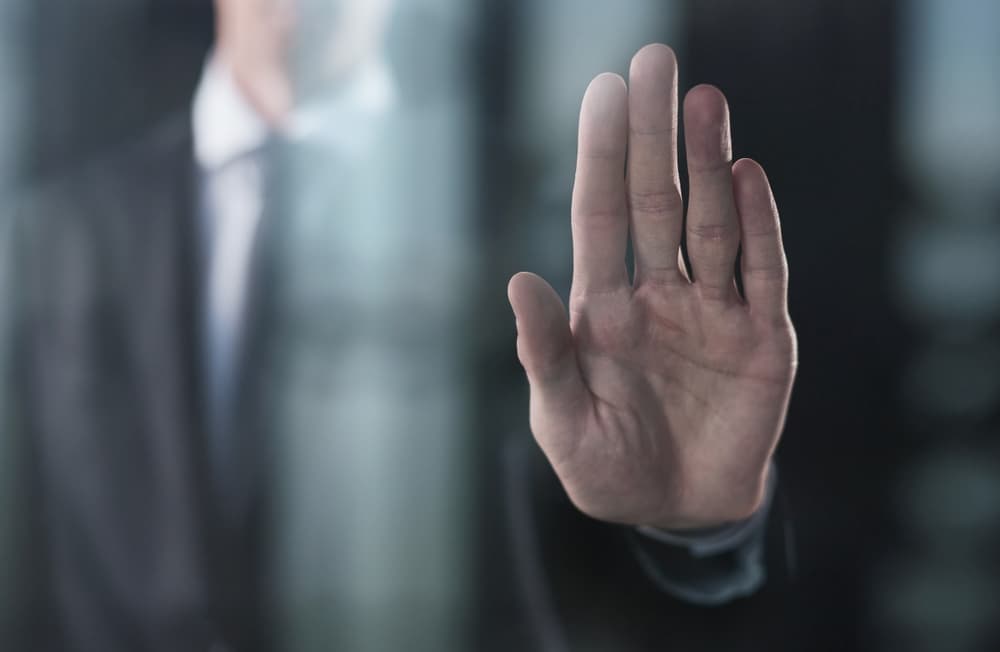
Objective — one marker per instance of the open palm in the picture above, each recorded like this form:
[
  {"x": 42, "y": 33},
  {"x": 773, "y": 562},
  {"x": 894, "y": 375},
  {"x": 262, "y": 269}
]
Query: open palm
[{"x": 659, "y": 401}]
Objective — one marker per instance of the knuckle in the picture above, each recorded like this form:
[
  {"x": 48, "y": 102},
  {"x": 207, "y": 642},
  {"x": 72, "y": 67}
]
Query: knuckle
[
  {"x": 655, "y": 202},
  {"x": 767, "y": 233},
  {"x": 775, "y": 271},
  {"x": 712, "y": 232},
  {"x": 599, "y": 218},
  {"x": 708, "y": 166},
  {"x": 653, "y": 134}
]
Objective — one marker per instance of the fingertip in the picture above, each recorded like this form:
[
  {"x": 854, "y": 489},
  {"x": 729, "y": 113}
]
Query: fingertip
[
  {"x": 765, "y": 269},
  {"x": 605, "y": 93},
  {"x": 654, "y": 58},
  {"x": 747, "y": 166},
  {"x": 542, "y": 326},
  {"x": 606, "y": 82},
  {"x": 530, "y": 292},
  {"x": 515, "y": 281},
  {"x": 517, "y": 287},
  {"x": 652, "y": 93},
  {"x": 604, "y": 117},
  {"x": 750, "y": 182},
  {"x": 705, "y": 105},
  {"x": 706, "y": 121}
]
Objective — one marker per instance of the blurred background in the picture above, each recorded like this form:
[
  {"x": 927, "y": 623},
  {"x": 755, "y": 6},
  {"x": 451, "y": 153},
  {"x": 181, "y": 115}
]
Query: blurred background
[{"x": 879, "y": 125}]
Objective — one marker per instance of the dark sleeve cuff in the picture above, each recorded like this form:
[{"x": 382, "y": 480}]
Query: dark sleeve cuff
[{"x": 707, "y": 567}]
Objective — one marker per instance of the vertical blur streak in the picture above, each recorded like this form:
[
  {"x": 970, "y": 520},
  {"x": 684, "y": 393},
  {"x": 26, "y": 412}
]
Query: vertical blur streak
[
  {"x": 11, "y": 26},
  {"x": 371, "y": 501},
  {"x": 935, "y": 594},
  {"x": 950, "y": 125}
]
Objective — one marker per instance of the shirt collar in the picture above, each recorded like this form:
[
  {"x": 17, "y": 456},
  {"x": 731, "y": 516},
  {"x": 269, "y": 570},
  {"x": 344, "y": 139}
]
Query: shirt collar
[{"x": 227, "y": 127}]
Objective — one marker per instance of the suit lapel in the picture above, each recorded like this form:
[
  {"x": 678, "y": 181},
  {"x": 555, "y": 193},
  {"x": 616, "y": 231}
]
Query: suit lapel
[
  {"x": 162, "y": 315},
  {"x": 226, "y": 562},
  {"x": 114, "y": 407}
]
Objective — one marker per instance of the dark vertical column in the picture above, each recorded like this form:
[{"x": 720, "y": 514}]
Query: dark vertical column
[
  {"x": 102, "y": 72},
  {"x": 494, "y": 624},
  {"x": 811, "y": 92}
]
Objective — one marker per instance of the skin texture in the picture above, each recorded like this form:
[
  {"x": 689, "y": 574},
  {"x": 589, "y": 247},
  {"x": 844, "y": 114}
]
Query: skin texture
[
  {"x": 283, "y": 51},
  {"x": 660, "y": 401}
]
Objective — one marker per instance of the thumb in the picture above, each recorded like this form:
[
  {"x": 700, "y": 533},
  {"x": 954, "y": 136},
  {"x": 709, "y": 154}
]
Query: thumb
[{"x": 545, "y": 344}]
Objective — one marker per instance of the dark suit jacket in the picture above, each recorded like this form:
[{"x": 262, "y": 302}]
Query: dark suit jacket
[
  {"x": 573, "y": 583},
  {"x": 114, "y": 544}
]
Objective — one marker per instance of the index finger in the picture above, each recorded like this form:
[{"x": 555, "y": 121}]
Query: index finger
[{"x": 600, "y": 221}]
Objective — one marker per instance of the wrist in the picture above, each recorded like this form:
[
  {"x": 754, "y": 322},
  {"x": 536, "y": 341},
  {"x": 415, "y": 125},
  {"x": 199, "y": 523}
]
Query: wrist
[{"x": 712, "y": 539}]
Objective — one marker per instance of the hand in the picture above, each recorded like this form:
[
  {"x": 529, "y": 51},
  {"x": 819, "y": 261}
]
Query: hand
[{"x": 659, "y": 402}]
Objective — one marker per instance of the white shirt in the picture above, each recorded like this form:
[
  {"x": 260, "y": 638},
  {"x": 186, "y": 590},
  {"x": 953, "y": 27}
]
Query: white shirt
[{"x": 229, "y": 137}]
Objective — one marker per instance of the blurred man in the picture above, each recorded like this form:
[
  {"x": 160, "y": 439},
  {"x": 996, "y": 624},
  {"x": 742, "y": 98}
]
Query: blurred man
[{"x": 144, "y": 299}]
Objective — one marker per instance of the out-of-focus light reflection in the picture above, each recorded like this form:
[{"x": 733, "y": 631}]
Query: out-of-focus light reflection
[
  {"x": 376, "y": 240},
  {"x": 12, "y": 505},
  {"x": 945, "y": 605},
  {"x": 934, "y": 593},
  {"x": 12, "y": 77},
  {"x": 952, "y": 501},
  {"x": 950, "y": 101},
  {"x": 954, "y": 381},
  {"x": 947, "y": 272}
]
